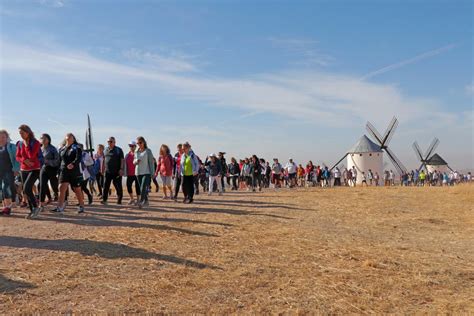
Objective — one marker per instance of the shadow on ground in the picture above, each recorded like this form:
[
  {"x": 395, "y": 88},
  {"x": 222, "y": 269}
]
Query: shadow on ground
[{"x": 102, "y": 249}]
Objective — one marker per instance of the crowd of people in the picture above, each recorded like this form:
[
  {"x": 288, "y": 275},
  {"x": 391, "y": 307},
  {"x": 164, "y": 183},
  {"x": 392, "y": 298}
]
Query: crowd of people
[{"x": 34, "y": 173}]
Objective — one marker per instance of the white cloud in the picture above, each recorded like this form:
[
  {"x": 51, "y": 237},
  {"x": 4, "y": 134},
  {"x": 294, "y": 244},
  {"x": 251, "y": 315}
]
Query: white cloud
[{"x": 329, "y": 99}]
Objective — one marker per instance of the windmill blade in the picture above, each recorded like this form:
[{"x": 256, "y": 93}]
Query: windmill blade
[
  {"x": 89, "y": 140},
  {"x": 396, "y": 162},
  {"x": 417, "y": 150},
  {"x": 431, "y": 148},
  {"x": 390, "y": 131},
  {"x": 373, "y": 131},
  {"x": 337, "y": 163},
  {"x": 423, "y": 165}
]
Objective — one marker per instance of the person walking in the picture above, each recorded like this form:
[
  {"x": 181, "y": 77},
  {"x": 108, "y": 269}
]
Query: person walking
[
  {"x": 256, "y": 172},
  {"x": 30, "y": 157},
  {"x": 9, "y": 169},
  {"x": 70, "y": 173},
  {"x": 189, "y": 169},
  {"x": 337, "y": 177},
  {"x": 100, "y": 158},
  {"x": 144, "y": 169},
  {"x": 129, "y": 172},
  {"x": 215, "y": 173},
  {"x": 49, "y": 170},
  {"x": 114, "y": 167},
  {"x": 165, "y": 170},
  {"x": 234, "y": 172},
  {"x": 177, "y": 179}
]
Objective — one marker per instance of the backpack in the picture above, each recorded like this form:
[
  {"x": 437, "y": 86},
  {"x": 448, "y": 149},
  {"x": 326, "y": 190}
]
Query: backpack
[{"x": 40, "y": 152}]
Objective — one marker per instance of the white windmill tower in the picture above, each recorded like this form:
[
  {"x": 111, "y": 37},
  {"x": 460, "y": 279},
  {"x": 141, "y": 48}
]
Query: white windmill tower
[
  {"x": 429, "y": 161},
  {"x": 367, "y": 155}
]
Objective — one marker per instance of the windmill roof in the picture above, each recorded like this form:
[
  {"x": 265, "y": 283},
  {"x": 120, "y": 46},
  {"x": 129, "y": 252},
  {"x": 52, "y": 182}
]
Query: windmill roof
[
  {"x": 436, "y": 160},
  {"x": 364, "y": 145}
]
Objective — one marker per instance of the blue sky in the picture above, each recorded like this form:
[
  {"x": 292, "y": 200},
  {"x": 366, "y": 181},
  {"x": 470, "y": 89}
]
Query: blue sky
[{"x": 275, "y": 78}]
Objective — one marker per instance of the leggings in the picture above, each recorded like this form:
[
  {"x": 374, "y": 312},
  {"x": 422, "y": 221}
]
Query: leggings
[
  {"x": 84, "y": 187},
  {"x": 130, "y": 181},
  {"x": 100, "y": 182},
  {"x": 234, "y": 182},
  {"x": 29, "y": 178},
  {"x": 256, "y": 178},
  {"x": 177, "y": 185},
  {"x": 188, "y": 187},
  {"x": 145, "y": 181},
  {"x": 48, "y": 174}
]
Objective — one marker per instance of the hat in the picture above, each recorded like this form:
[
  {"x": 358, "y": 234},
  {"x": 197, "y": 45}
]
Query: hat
[
  {"x": 213, "y": 155},
  {"x": 221, "y": 153},
  {"x": 132, "y": 143}
]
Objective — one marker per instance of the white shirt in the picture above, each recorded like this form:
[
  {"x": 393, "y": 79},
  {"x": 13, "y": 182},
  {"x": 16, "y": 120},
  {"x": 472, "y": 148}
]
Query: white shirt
[
  {"x": 291, "y": 167},
  {"x": 142, "y": 167}
]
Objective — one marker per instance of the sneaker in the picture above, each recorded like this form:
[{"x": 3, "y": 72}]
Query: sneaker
[
  {"x": 132, "y": 202},
  {"x": 220, "y": 193},
  {"x": 35, "y": 212},
  {"x": 190, "y": 201},
  {"x": 57, "y": 210},
  {"x": 80, "y": 210},
  {"x": 6, "y": 211},
  {"x": 29, "y": 215},
  {"x": 104, "y": 202}
]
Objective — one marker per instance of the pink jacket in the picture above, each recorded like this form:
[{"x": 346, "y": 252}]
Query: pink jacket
[{"x": 165, "y": 166}]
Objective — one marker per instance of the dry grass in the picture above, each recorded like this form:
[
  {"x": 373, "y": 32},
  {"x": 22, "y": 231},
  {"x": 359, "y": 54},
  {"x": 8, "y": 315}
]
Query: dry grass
[{"x": 364, "y": 250}]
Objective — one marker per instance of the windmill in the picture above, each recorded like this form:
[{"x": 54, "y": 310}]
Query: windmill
[
  {"x": 384, "y": 141},
  {"x": 89, "y": 138},
  {"x": 424, "y": 158},
  {"x": 430, "y": 160}
]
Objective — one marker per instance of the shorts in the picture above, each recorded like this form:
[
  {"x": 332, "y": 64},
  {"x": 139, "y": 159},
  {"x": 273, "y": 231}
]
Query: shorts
[
  {"x": 166, "y": 180},
  {"x": 72, "y": 178},
  {"x": 292, "y": 176},
  {"x": 275, "y": 177}
]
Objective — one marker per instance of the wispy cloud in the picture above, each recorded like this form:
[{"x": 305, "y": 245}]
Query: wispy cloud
[
  {"x": 470, "y": 89},
  {"x": 306, "y": 50},
  {"x": 329, "y": 99},
  {"x": 174, "y": 63},
  {"x": 53, "y": 3},
  {"x": 409, "y": 61}
]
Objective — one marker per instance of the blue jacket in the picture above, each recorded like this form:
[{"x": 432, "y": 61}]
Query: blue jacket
[
  {"x": 11, "y": 148},
  {"x": 194, "y": 162}
]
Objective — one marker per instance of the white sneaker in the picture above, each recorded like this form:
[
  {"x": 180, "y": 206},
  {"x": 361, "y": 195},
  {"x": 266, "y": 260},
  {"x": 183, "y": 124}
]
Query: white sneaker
[{"x": 131, "y": 202}]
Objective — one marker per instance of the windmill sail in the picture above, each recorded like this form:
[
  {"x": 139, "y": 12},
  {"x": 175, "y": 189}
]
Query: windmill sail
[{"x": 89, "y": 139}]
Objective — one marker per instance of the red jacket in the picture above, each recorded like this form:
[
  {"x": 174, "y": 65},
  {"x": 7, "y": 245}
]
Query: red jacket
[
  {"x": 31, "y": 152},
  {"x": 165, "y": 166}
]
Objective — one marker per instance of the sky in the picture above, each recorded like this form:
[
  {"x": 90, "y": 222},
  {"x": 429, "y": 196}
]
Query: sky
[{"x": 279, "y": 79}]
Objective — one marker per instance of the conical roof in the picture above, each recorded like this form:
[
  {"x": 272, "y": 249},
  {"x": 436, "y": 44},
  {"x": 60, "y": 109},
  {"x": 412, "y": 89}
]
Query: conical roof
[
  {"x": 436, "y": 160},
  {"x": 364, "y": 145}
]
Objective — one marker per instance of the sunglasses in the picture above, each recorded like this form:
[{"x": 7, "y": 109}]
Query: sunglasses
[
  {"x": 110, "y": 141},
  {"x": 139, "y": 143}
]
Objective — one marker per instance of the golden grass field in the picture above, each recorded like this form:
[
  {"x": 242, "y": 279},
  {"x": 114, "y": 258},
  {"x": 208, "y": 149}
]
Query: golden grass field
[{"x": 344, "y": 250}]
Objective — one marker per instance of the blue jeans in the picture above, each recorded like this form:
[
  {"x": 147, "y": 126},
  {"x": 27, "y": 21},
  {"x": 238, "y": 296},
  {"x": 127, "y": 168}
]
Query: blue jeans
[{"x": 6, "y": 182}]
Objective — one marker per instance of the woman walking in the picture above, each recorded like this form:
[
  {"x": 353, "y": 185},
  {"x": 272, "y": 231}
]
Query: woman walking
[
  {"x": 144, "y": 169},
  {"x": 129, "y": 172},
  {"x": 49, "y": 170},
  {"x": 9, "y": 168},
  {"x": 165, "y": 170},
  {"x": 100, "y": 157},
  {"x": 189, "y": 169},
  {"x": 70, "y": 173},
  {"x": 255, "y": 172},
  {"x": 234, "y": 172},
  {"x": 30, "y": 157}
]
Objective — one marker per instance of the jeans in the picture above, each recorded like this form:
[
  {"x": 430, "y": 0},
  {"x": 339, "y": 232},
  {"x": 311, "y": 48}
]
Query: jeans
[
  {"x": 256, "y": 178},
  {"x": 48, "y": 173},
  {"x": 145, "y": 182},
  {"x": 29, "y": 178},
  {"x": 117, "y": 181},
  {"x": 188, "y": 187},
  {"x": 216, "y": 179},
  {"x": 6, "y": 181}
]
